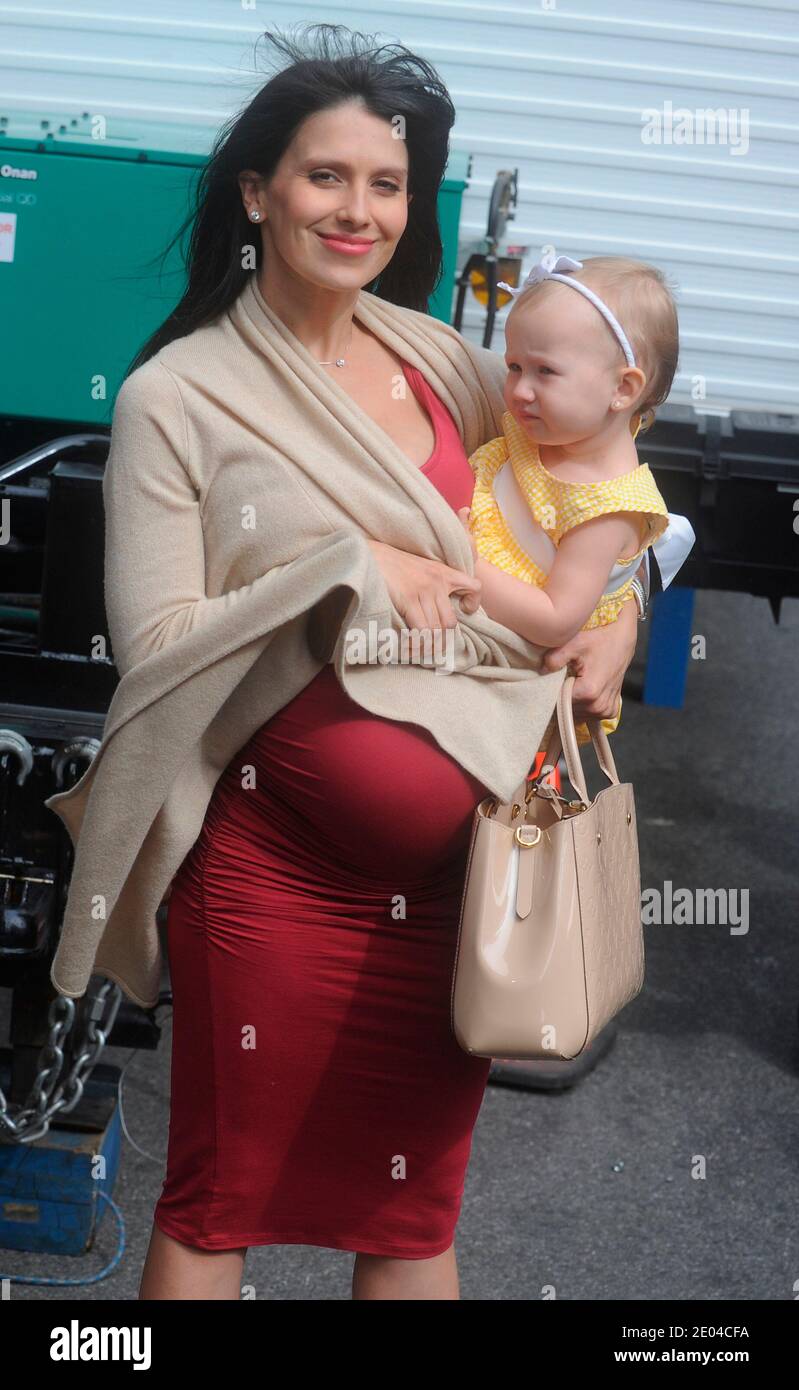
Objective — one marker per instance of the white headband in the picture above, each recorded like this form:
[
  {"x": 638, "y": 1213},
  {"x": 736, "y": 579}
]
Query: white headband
[{"x": 547, "y": 269}]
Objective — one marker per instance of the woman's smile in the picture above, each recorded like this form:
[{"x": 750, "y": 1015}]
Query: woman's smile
[{"x": 347, "y": 247}]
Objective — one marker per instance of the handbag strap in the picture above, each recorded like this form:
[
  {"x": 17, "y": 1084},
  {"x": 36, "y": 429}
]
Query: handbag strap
[{"x": 564, "y": 736}]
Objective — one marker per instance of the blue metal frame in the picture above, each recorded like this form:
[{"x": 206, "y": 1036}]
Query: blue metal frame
[{"x": 671, "y": 614}]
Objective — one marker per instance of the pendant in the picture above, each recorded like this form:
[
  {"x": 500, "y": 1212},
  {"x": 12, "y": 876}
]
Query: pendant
[{"x": 339, "y": 361}]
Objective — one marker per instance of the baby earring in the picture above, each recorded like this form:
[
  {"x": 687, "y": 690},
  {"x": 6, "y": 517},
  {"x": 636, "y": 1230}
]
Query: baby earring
[{"x": 255, "y": 215}]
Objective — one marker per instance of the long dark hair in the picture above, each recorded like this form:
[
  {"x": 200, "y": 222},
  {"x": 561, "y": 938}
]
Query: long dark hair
[{"x": 390, "y": 80}]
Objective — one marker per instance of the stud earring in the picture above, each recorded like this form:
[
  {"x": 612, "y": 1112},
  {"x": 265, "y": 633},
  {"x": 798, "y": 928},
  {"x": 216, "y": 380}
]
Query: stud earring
[{"x": 255, "y": 215}]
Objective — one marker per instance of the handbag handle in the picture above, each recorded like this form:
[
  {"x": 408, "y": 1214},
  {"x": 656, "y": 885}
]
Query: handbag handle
[{"x": 564, "y": 736}]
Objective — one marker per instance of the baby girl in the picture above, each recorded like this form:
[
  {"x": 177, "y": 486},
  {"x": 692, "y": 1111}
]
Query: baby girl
[{"x": 562, "y": 511}]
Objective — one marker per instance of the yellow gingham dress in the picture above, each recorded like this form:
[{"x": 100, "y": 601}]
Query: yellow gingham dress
[{"x": 557, "y": 506}]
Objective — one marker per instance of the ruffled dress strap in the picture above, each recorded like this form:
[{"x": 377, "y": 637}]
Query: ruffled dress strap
[{"x": 635, "y": 492}]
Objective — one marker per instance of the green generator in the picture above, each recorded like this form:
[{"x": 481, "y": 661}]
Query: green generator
[{"x": 83, "y": 225}]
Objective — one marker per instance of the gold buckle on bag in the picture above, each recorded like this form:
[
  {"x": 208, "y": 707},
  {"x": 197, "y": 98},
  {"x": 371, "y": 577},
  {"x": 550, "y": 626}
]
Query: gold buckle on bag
[{"x": 527, "y": 844}]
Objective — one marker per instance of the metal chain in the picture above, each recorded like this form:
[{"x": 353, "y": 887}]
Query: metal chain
[{"x": 23, "y": 1123}]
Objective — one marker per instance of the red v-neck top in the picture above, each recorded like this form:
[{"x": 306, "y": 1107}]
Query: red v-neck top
[{"x": 448, "y": 467}]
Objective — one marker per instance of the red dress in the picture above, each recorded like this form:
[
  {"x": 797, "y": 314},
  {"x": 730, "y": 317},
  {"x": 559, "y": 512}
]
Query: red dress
[{"x": 318, "y": 1094}]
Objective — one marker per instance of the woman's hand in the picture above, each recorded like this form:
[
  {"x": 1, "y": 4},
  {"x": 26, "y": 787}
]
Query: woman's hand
[
  {"x": 420, "y": 588},
  {"x": 599, "y": 659}
]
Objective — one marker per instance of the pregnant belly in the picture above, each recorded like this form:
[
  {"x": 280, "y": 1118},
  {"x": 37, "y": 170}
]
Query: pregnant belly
[{"x": 335, "y": 782}]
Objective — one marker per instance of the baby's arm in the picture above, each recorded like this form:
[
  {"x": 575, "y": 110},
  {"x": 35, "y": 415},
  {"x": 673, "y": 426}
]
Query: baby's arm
[{"x": 555, "y": 613}]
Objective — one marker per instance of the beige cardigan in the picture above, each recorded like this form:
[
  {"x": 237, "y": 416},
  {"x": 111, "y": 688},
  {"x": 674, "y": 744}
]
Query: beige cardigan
[{"x": 241, "y": 483}]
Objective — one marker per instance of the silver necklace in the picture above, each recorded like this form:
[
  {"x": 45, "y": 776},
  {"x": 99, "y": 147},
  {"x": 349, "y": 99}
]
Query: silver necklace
[{"x": 339, "y": 361}]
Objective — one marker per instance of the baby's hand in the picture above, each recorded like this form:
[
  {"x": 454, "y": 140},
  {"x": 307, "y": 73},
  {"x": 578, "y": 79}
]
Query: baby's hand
[{"x": 463, "y": 513}]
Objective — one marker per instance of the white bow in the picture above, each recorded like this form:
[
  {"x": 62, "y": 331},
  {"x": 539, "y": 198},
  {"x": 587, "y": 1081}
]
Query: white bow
[{"x": 550, "y": 264}]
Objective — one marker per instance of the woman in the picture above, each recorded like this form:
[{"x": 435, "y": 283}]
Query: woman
[{"x": 318, "y": 1096}]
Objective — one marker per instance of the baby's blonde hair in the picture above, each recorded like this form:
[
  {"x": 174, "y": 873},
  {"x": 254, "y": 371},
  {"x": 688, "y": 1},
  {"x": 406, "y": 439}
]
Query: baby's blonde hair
[{"x": 642, "y": 301}]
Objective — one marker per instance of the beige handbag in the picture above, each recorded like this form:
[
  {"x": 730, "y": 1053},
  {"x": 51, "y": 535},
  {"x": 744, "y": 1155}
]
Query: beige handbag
[{"x": 550, "y": 943}]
